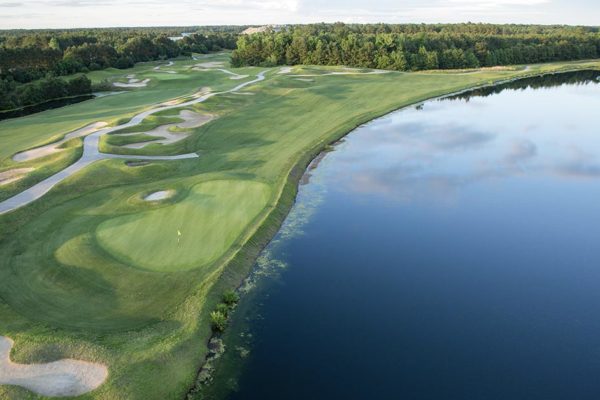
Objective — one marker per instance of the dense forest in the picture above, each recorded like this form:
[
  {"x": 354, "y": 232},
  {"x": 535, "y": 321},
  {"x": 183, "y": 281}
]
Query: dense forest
[
  {"x": 417, "y": 47},
  {"x": 31, "y": 61}
]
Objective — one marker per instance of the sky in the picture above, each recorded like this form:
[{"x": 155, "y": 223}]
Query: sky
[{"x": 108, "y": 13}]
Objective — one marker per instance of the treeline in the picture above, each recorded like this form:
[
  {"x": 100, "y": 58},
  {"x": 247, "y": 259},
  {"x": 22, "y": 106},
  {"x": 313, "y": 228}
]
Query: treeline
[
  {"x": 29, "y": 55},
  {"x": 417, "y": 47},
  {"x": 31, "y": 61},
  {"x": 13, "y": 96},
  {"x": 544, "y": 81}
]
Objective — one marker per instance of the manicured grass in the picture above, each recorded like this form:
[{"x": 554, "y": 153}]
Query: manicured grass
[
  {"x": 91, "y": 271},
  {"x": 188, "y": 234},
  {"x": 121, "y": 140},
  {"x": 22, "y": 133}
]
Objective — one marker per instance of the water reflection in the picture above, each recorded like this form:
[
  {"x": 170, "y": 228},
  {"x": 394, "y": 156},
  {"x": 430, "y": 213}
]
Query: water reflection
[
  {"x": 442, "y": 253},
  {"x": 539, "y": 82},
  {"x": 434, "y": 150},
  {"x": 581, "y": 164}
]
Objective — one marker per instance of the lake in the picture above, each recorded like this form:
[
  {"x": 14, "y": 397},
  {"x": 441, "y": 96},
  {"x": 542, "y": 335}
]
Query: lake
[{"x": 444, "y": 251}]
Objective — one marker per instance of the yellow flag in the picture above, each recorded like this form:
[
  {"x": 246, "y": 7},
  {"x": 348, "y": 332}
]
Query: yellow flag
[{"x": 178, "y": 232}]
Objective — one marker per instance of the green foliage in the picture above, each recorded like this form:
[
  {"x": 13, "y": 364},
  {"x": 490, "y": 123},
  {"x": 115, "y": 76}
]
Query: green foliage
[
  {"x": 417, "y": 47},
  {"x": 17, "y": 96},
  {"x": 26, "y": 56},
  {"x": 230, "y": 297},
  {"x": 223, "y": 309},
  {"x": 103, "y": 86},
  {"x": 218, "y": 321}
]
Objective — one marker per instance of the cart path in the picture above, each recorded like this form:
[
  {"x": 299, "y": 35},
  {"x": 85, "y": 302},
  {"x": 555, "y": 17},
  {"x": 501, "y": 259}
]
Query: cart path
[{"x": 91, "y": 151}]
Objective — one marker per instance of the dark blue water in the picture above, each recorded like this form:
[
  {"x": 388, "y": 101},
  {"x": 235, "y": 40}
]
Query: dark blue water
[{"x": 449, "y": 251}]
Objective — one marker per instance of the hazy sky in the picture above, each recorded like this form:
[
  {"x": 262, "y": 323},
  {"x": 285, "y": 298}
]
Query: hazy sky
[{"x": 82, "y": 13}]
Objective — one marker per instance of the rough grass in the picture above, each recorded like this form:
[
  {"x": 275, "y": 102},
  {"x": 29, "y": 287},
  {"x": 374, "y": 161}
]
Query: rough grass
[{"x": 65, "y": 295}]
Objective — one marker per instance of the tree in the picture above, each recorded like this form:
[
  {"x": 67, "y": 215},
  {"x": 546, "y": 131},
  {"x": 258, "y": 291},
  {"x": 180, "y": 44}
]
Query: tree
[
  {"x": 79, "y": 85},
  {"x": 419, "y": 46},
  {"x": 54, "y": 44}
]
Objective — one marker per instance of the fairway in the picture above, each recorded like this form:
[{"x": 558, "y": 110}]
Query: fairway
[
  {"x": 189, "y": 234},
  {"x": 93, "y": 271}
]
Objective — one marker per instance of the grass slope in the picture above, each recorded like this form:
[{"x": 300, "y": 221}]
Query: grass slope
[
  {"x": 188, "y": 234},
  {"x": 85, "y": 273}
]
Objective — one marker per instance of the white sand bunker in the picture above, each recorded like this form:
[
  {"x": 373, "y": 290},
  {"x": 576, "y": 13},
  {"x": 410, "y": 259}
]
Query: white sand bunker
[
  {"x": 13, "y": 175},
  {"x": 160, "y": 195},
  {"x": 285, "y": 70},
  {"x": 190, "y": 120},
  {"x": 55, "y": 147},
  {"x": 55, "y": 379},
  {"x": 132, "y": 82}
]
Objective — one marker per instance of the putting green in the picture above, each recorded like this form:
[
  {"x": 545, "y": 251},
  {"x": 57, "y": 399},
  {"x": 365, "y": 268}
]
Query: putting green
[{"x": 189, "y": 234}]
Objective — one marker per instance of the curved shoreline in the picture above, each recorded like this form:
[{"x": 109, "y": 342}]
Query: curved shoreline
[
  {"x": 286, "y": 181},
  {"x": 287, "y": 198}
]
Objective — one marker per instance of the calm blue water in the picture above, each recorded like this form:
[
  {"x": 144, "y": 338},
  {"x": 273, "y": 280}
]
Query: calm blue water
[{"x": 448, "y": 251}]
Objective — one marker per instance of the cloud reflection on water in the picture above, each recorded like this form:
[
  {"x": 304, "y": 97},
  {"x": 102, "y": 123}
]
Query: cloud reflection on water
[{"x": 431, "y": 154}]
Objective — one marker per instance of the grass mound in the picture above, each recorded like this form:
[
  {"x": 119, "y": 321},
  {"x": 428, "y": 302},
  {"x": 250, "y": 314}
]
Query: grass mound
[{"x": 188, "y": 234}]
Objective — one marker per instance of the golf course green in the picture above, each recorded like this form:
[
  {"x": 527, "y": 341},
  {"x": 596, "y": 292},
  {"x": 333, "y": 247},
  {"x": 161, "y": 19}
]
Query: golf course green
[
  {"x": 202, "y": 226},
  {"x": 94, "y": 271}
]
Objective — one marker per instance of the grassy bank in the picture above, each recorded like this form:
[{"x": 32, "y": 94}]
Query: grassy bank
[{"x": 91, "y": 271}]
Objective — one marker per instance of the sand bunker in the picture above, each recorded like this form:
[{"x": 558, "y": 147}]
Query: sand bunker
[
  {"x": 55, "y": 147},
  {"x": 285, "y": 70},
  {"x": 13, "y": 175},
  {"x": 59, "y": 378},
  {"x": 160, "y": 195},
  {"x": 190, "y": 120},
  {"x": 91, "y": 151},
  {"x": 132, "y": 82}
]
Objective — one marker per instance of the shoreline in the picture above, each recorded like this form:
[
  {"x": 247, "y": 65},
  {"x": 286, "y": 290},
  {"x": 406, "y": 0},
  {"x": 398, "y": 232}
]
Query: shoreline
[{"x": 260, "y": 239}]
